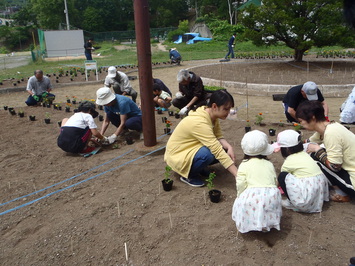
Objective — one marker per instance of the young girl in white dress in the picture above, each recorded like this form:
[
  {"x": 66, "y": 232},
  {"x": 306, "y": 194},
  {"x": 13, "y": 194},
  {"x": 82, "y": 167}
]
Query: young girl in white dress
[
  {"x": 304, "y": 184},
  {"x": 258, "y": 203}
]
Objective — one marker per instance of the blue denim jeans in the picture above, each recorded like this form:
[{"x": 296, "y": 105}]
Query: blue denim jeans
[
  {"x": 133, "y": 123},
  {"x": 202, "y": 159}
]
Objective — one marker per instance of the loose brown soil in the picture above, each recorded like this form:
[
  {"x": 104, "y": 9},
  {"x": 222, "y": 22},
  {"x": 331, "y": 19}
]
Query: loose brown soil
[{"x": 61, "y": 209}]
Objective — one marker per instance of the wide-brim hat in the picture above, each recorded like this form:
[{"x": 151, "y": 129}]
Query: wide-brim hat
[
  {"x": 104, "y": 96},
  {"x": 256, "y": 143}
]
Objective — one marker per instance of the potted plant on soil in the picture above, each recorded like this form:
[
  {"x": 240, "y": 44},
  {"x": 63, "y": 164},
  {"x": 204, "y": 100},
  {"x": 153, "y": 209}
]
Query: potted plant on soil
[
  {"x": 101, "y": 118},
  {"x": 171, "y": 113},
  {"x": 67, "y": 107},
  {"x": 167, "y": 129},
  {"x": 129, "y": 140},
  {"x": 259, "y": 119},
  {"x": 247, "y": 126},
  {"x": 68, "y": 99},
  {"x": 215, "y": 195},
  {"x": 47, "y": 118},
  {"x": 5, "y": 107},
  {"x": 12, "y": 111},
  {"x": 32, "y": 117},
  {"x": 73, "y": 101},
  {"x": 167, "y": 181},
  {"x": 159, "y": 111},
  {"x": 21, "y": 113}
]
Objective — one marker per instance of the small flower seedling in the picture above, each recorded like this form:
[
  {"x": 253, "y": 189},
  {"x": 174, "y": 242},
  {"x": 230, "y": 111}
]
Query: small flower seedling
[
  {"x": 167, "y": 174},
  {"x": 209, "y": 180}
]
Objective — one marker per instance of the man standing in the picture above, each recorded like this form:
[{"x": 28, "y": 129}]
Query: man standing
[
  {"x": 297, "y": 94},
  {"x": 191, "y": 91},
  {"x": 120, "y": 83},
  {"x": 230, "y": 47},
  {"x": 88, "y": 49},
  {"x": 38, "y": 86},
  {"x": 121, "y": 111}
]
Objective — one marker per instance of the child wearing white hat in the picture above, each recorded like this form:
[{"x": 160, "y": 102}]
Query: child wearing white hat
[
  {"x": 258, "y": 203},
  {"x": 303, "y": 182}
]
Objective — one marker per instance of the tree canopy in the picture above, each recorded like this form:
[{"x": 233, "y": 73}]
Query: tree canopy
[{"x": 299, "y": 24}]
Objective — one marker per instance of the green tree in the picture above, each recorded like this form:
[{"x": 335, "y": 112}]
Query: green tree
[
  {"x": 49, "y": 13},
  {"x": 298, "y": 24}
]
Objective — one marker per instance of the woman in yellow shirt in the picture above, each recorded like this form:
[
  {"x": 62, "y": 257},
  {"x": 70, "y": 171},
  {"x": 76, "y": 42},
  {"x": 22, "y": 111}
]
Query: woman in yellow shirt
[
  {"x": 337, "y": 159},
  {"x": 197, "y": 141}
]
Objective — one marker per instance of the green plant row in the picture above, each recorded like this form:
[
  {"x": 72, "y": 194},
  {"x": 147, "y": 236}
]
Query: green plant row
[{"x": 335, "y": 54}]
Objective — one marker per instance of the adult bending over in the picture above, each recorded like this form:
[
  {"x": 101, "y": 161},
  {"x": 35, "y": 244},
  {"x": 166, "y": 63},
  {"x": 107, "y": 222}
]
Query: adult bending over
[
  {"x": 121, "y": 111},
  {"x": 307, "y": 92},
  {"x": 120, "y": 83},
  {"x": 337, "y": 159},
  {"x": 191, "y": 91},
  {"x": 38, "y": 86},
  {"x": 197, "y": 141}
]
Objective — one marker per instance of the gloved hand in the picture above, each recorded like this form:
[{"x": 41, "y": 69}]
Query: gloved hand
[
  {"x": 44, "y": 94},
  {"x": 105, "y": 141},
  {"x": 232, "y": 46},
  {"x": 183, "y": 110},
  {"x": 179, "y": 95},
  {"x": 35, "y": 97},
  {"x": 111, "y": 139}
]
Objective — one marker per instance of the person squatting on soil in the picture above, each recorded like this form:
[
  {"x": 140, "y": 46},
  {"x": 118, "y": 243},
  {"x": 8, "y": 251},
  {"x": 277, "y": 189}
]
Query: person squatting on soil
[
  {"x": 120, "y": 83},
  {"x": 347, "y": 109},
  {"x": 39, "y": 87},
  {"x": 258, "y": 203},
  {"x": 303, "y": 182},
  {"x": 121, "y": 111},
  {"x": 198, "y": 142},
  {"x": 337, "y": 158},
  {"x": 191, "y": 91},
  {"x": 161, "y": 98},
  {"x": 175, "y": 57},
  {"x": 76, "y": 131},
  {"x": 298, "y": 94},
  {"x": 231, "y": 44}
]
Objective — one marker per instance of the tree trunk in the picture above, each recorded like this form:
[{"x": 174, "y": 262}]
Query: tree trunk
[{"x": 299, "y": 55}]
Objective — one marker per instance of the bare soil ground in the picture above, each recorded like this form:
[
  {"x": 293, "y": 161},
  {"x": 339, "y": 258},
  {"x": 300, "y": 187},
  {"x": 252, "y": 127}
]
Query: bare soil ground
[{"x": 62, "y": 209}]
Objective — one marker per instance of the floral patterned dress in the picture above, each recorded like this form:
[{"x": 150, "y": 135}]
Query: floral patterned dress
[{"x": 258, "y": 204}]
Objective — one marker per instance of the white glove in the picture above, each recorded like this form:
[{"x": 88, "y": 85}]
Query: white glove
[
  {"x": 179, "y": 95},
  {"x": 111, "y": 139},
  {"x": 232, "y": 46},
  {"x": 183, "y": 110}
]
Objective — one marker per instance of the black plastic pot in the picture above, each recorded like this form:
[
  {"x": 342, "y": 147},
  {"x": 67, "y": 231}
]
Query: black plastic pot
[
  {"x": 47, "y": 120},
  {"x": 21, "y": 114},
  {"x": 177, "y": 116},
  {"x": 32, "y": 117},
  {"x": 167, "y": 185},
  {"x": 101, "y": 118},
  {"x": 215, "y": 195},
  {"x": 171, "y": 113},
  {"x": 167, "y": 130},
  {"x": 5, "y": 107},
  {"x": 159, "y": 111},
  {"x": 247, "y": 129},
  {"x": 164, "y": 119},
  {"x": 272, "y": 132},
  {"x": 67, "y": 110},
  {"x": 129, "y": 140},
  {"x": 60, "y": 123}
]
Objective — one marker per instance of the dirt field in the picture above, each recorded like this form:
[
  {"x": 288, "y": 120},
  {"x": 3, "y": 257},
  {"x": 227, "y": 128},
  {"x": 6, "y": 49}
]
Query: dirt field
[{"x": 110, "y": 209}]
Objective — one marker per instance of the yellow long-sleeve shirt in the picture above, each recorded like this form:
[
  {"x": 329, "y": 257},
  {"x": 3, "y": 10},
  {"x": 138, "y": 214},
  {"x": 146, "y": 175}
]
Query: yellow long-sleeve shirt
[{"x": 193, "y": 132}]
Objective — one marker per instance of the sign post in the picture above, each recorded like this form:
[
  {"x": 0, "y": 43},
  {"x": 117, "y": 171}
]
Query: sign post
[{"x": 89, "y": 65}]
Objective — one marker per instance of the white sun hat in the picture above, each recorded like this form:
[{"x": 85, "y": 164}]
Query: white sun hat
[
  {"x": 104, "y": 96},
  {"x": 288, "y": 138},
  {"x": 256, "y": 143},
  {"x": 112, "y": 72}
]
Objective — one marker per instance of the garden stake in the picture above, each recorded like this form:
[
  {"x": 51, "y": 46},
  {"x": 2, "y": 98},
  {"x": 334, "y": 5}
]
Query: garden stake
[
  {"x": 159, "y": 188},
  {"x": 118, "y": 209},
  {"x": 9, "y": 185},
  {"x": 71, "y": 245},
  {"x": 246, "y": 83},
  {"x": 309, "y": 240},
  {"x": 204, "y": 197},
  {"x": 125, "y": 250},
  {"x": 171, "y": 222}
]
